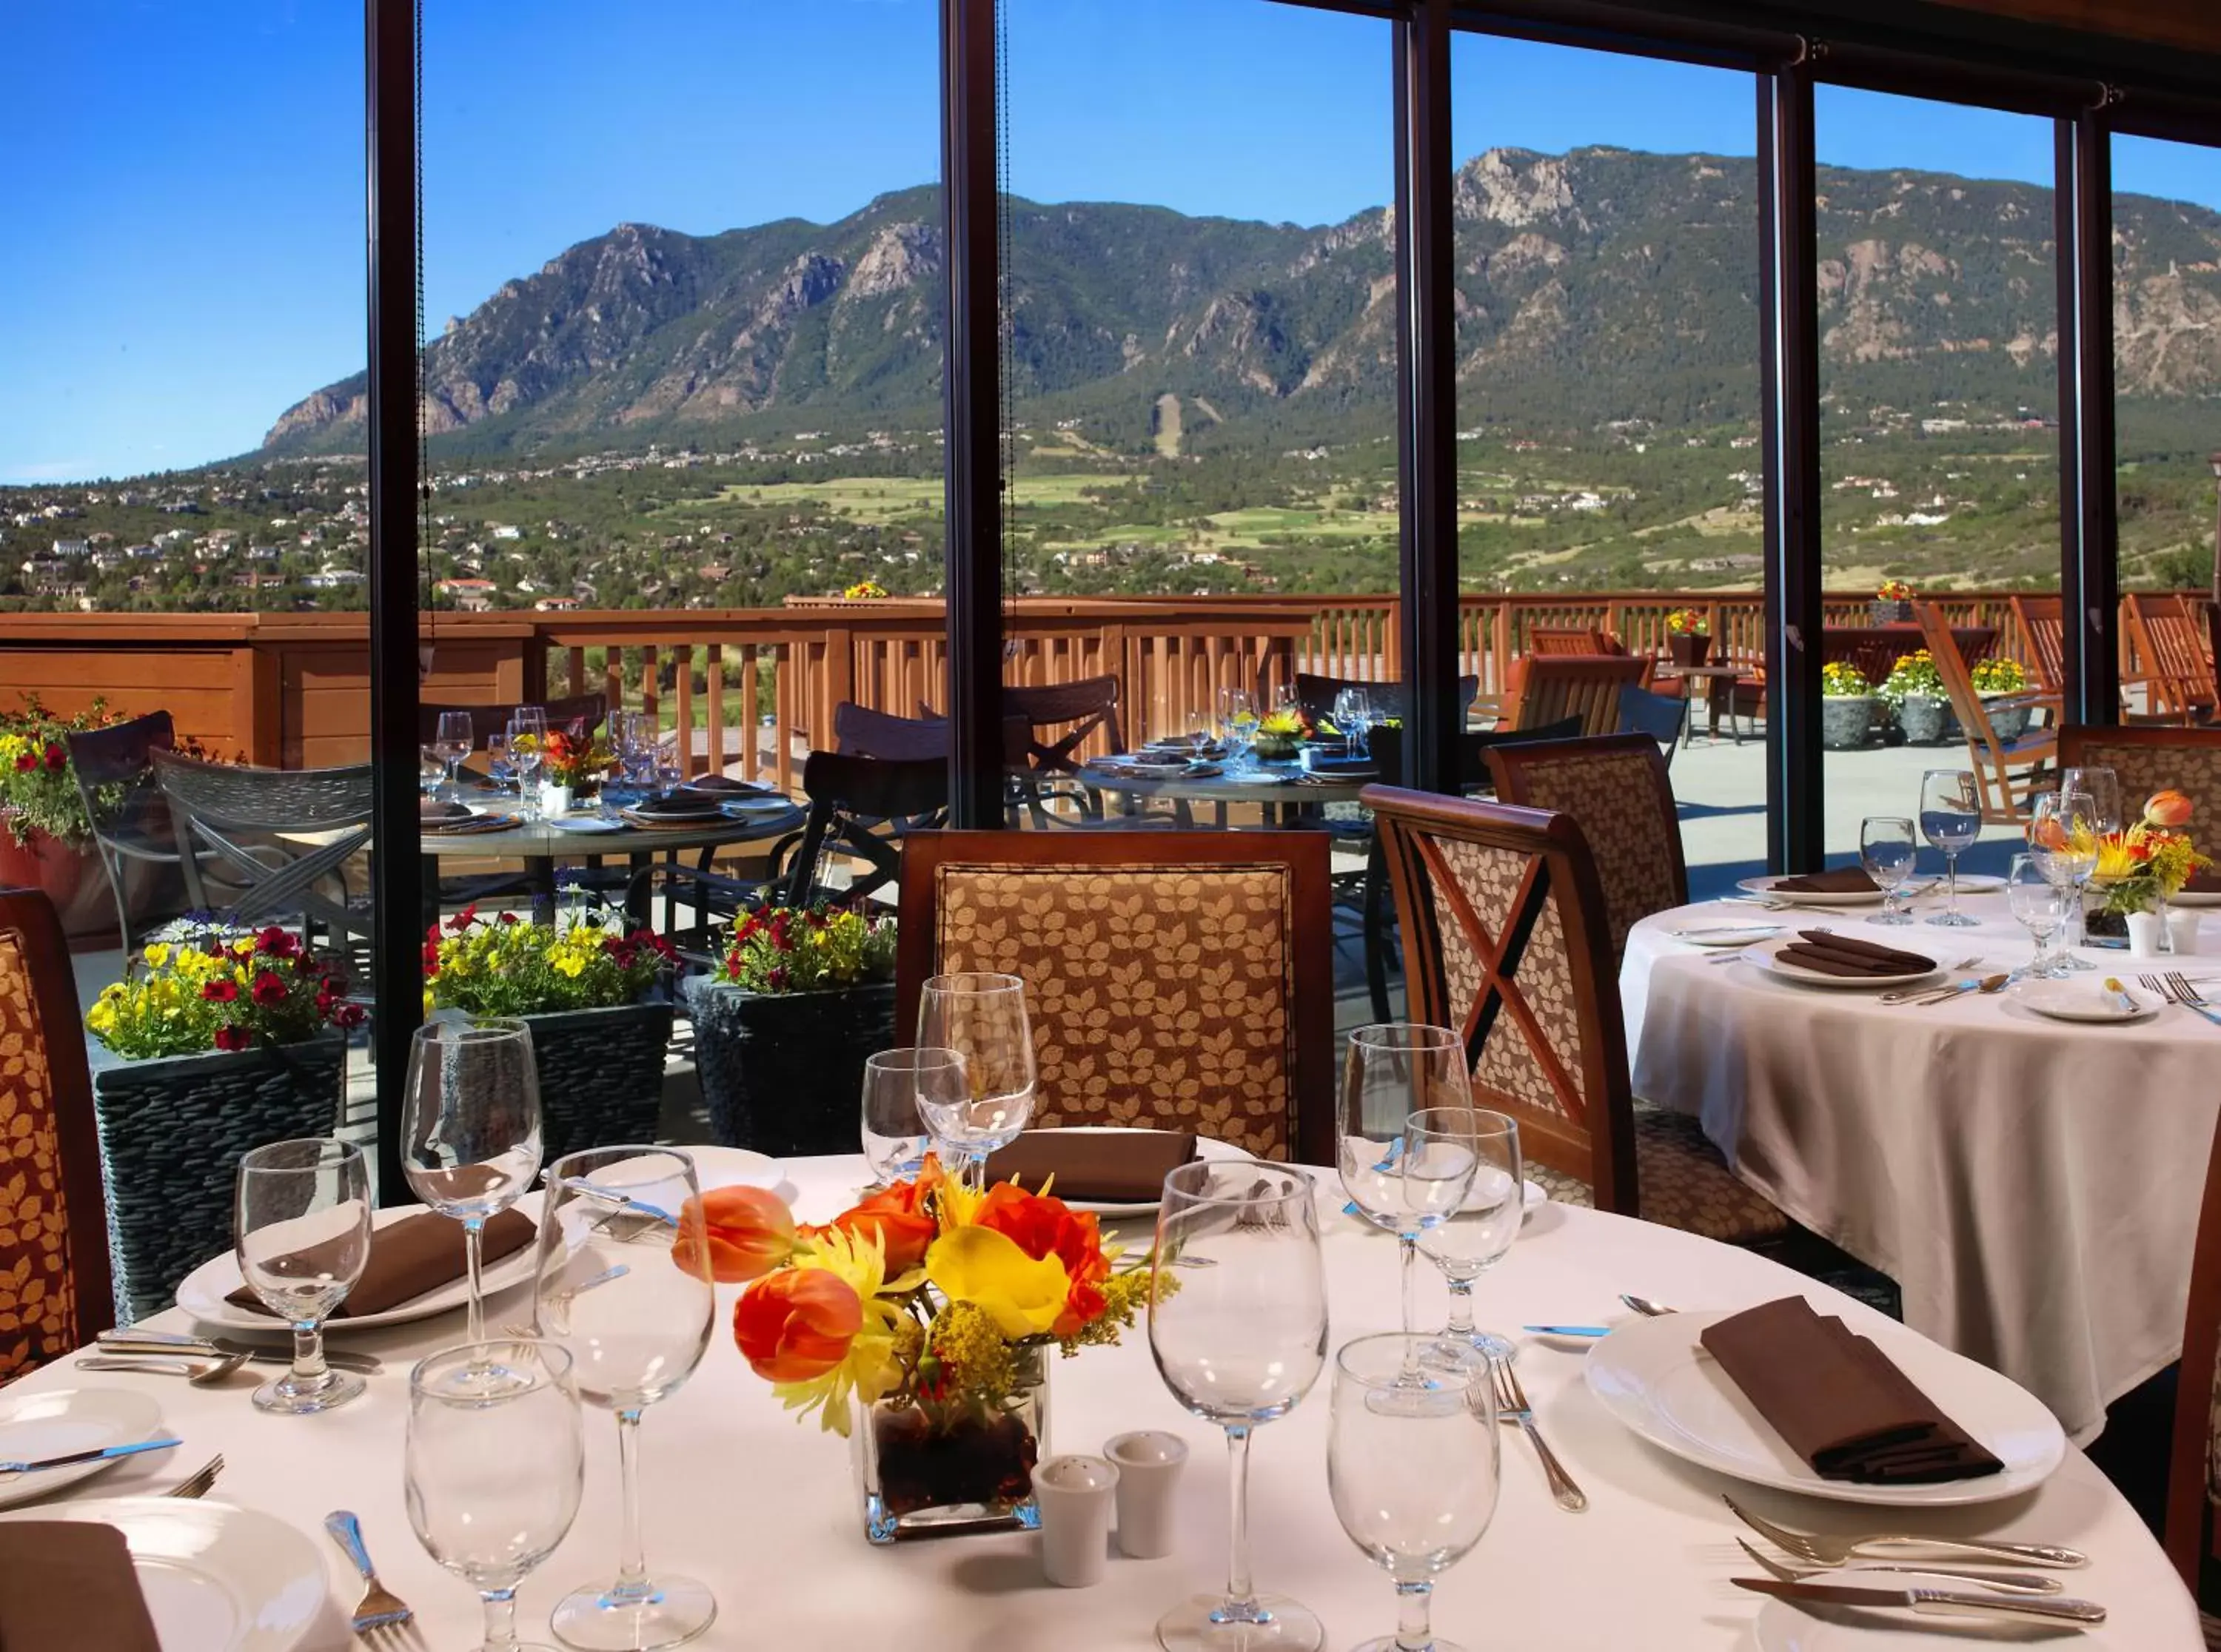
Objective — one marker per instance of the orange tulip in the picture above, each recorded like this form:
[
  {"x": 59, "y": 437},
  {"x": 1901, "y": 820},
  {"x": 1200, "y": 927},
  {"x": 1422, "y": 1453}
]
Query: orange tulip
[
  {"x": 2167, "y": 808},
  {"x": 2048, "y": 834},
  {"x": 797, "y": 1325},
  {"x": 750, "y": 1232},
  {"x": 903, "y": 1231},
  {"x": 1044, "y": 1226}
]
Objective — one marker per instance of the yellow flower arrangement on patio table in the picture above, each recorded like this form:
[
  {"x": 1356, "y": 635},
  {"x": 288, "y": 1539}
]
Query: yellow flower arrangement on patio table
[
  {"x": 1687, "y": 622},
  {"x": 925, "y": 1293}
]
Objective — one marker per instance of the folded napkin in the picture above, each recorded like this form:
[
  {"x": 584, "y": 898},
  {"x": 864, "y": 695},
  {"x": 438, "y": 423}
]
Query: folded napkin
[
  {"x": 2205, "y": 882},
  {"x": 1124, "y": 1167},
  {"x": 726, "y": 786},
  {"x": 1840, "y": 955},
  {"x": 1838, "y": 1401},
  {"x": 675, "y": 807},
  {"x": 413, "y": 1256},
  {"x": 1844, "y": 880},
  {"x": 429, "y": 813},
  {"x": 465, "y": 828},
  {"x": 70, "y": 1583}
]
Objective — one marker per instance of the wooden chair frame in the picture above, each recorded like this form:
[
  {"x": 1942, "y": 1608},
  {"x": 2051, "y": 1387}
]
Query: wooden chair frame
[
  {"x": 1307, "y": 857},
  {"x": 2043, "y": 621},
  {"x": 1554, "y": 686},
  {"x": 2177, "y": 677},
  {"x": 2004, "y": 771}
]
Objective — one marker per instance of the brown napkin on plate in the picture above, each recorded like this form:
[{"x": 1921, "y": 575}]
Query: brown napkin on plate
[
  {"x": 2206, "y": 882},
  {"x": 1840, "y": 955},
  {"x": 1838, "y": 1401},
  {"x": 70, "y": 1583},
  {"x": 1120, "y": 1167},
  {"x": 417, "y": 1255},
  {"x": 429, "y": 813},
  {"x": 1844, "y": 880}
]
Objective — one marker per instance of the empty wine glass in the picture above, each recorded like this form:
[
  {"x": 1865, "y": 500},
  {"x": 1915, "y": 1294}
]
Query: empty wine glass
[
  {"x": 982, "y": 1016},
  {"x": 1389, "y": 1072},
  {"x": 1237, "y": 1327},
  {"x": 527, "y": 754},
  {"x": 1237, "y": 718},
  {"x": 499, "y": 766},
  {"x": 1475, "y": 1235},
  {"x": 1888, "y": 851},
  {"x": 301, "y": 1230},
  {"x": 1412, "y": 1467},
  {"x": 469, "y": 1127},
  {"x": 456, "y": 741},
  {"x": 2105, "y": 789},
  {"x": 493, "y": 1481},
  {"x": 2040, "y": 906},
  {"x": 1352, "y": 715},
  {"x": 623, "y": 1285},
  {"x": 1950, "y": 819},
  {"x": 2063, "y": 831},
  {"x": 1202, "y": 727},
  {"x": 896, "y": 1082},
  {"x": 431, "y": 770}
]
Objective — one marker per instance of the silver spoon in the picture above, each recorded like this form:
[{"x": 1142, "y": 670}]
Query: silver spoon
[
  {"x": 1645, "y": 1306},
  {"x": 202, "y": 1374}
]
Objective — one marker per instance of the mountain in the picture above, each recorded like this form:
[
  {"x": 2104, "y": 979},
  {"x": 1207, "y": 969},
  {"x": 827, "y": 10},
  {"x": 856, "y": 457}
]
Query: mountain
[{"x": 1600, "y": 286}]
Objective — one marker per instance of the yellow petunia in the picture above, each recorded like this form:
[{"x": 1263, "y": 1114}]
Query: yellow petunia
[
  {"x": 157, "y": 954},
  {"x": 987, "y": 1268}
]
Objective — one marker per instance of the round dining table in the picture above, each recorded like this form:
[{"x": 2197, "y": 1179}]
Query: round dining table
[
  {"x": 1285, "y": 793},
  {"x": 766, "y": 1509},
  {"x": 2032, "y": 1185}
]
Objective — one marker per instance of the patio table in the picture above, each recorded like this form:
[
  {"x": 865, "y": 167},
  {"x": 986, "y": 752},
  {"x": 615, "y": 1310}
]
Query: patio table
[{"x": 1286, "y": 798}]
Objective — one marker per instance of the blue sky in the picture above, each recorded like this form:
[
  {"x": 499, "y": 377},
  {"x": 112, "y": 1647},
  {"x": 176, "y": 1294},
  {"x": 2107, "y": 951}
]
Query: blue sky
[{"x": 183, "y": 256}]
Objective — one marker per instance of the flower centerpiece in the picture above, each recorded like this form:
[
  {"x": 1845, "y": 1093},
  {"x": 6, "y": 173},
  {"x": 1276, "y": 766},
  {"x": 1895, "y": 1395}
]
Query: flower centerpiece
[
  {"x": 1915, "y": 694},
  {"x": 863, "y": 590},
  {"x": 1688, "y": 636},
  {"x": 1893, "y": 604},
  {"x": 587, "y": 986},
  {"x": 1279, "y": 734},
  {"x": 782, "y": 1026},
  {"x": 571, "y": 764},
  {"x": 2145, "y": 865},
  {"x": 1846, "y": 705},
  {"x": 917, "y": 1322}
]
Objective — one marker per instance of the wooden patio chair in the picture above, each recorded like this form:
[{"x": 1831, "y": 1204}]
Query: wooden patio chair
[
  {"x": 2146, "y": 759},
  {"x": 1556, "y": 686},
  {"x": 1571, "y": 639},
  {"x": 2177, "y": 678},
  {"x": 1180, "y": 980},
  {"x": 56, "y": 1290},
  {"x": 1504, "y": 939},
  {"x": 2043, "y": 623},
  {"x": 2192, "y": 1531},
  {"x": 2003, "y": 770},
  {"x": 1615, "y": 786},
  {"x": 263, "y": 844},
  {"x": 131, "y": 829}
]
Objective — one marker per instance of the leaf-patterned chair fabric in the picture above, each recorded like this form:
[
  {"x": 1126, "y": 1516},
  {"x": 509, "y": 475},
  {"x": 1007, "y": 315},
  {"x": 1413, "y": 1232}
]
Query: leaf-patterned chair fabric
[
  {"x": 54, "y": 1281},
  {"x": 1175, "y": 980},
  {"x": 1504, "y": 941},
  {"x": 2147, "y": 760}
]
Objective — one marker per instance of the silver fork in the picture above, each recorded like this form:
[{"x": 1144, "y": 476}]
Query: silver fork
[
  {"x": 2175, "y": 988},
  {"x": 2002, "y": 1582},
  {"x": 1834, "y": 1551},
  {"x": 381, "y": 1617},
  {"x": 196, "y": 1483},
  {"x": 1511, "y": 1407}
]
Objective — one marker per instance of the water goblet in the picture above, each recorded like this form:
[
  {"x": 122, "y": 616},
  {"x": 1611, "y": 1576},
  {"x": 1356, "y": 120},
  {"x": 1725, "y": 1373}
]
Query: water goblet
[
  {"x": 895, "y": 1082},
  {"x": 493, "y": 1481},
  {"x": 1237, "y": 716},
  {"x": 1950, "y": 819},
  {"x": 623, "y": 1284},
  {"x": 499, "y": 766},
  {"x": 2103, "y": 786},
  {"x": 1352, "y": 715},
  {"x": 456, "y": 741},
  {"x": 527, "y": 754},
  {"x": 1475, "y": 1235},
  {"x": 301, "y": 1230},
  {"x": 2040, "y": 906},
  {"x": 1412, "y": 1467},
  {"x": 982, "y": 1016},
  {"x": 1237, "y": 1327},
  {"x": 1887, "y": 851},
  {"x": 431, "y": 770},
  {"x": 470, "y": 1128},
  {"x": 1389, "y": 1072},
  {"x": 2063, "y": 830}
]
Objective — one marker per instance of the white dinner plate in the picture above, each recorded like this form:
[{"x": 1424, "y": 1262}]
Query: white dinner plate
[
  {"x": 202, "y": 1293},
  {"x": 1766, "y": 956},
  {"x": 2196, "y": 898},
  {"x": 216, "y": 1578},
  {"x": 2086, "y": 999},
  {"x": 1531, "y": 1193},
  {"x": 1655, "y": 1378},
  {"x": 586, "y": 825},
  {"x": 738, "y": 1167},
  {"x": 773, "y": 805},
  {"x": 1727, "y": 934},
  {"x": 1259, "y": 777},
  {"x": 1765, "y": 886},
  {"x": 58, "y": 1421},
  {"x": 1782, "y": 1627}
]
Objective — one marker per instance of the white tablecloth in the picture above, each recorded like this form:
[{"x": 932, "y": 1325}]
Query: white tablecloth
[
  {"x": 765, "y": 1510},
  {"x": 2033, "y": 1184}
]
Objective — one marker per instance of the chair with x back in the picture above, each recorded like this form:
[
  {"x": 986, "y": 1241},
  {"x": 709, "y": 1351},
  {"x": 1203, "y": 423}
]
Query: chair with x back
[
  {"x": 581, "y": 711},
  {"x": 131, "y": 829},
  {"x": 1504, "y": 941},
  {"x": 269, "y": 843}
]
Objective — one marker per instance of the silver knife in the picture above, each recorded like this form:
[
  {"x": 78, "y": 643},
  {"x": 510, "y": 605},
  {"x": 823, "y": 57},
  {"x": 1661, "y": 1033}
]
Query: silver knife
[
  {"x": 167, "y": 1344},
  {"x": 1568, "y": 1330},
  {"x": 1952, "y": 1603},
  {"x": 106, "y": 1451}
]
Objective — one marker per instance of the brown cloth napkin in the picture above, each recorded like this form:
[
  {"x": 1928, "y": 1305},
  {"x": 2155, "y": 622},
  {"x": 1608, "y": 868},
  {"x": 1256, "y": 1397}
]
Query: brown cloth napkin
[
  {"x": 1838, "y": 1401},
  {"x": 2206, "y": 882},
  {"x": 70, "y": 1583},
  {"x": 1840, "y": 955},
  {"x": 1123, "y": 1167},
  {"x": 1844, "y": 880},
  {"x": 429, "y": 813},
  {"x": 415, "y": 1255}
]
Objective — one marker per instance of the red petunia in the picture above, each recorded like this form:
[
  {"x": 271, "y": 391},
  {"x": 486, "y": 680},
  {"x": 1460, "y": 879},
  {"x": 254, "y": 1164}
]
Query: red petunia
[
  {"x": 269, "y": 988},
  {"x": 463, "y": 920},
  {"x": 278, "y": 943},
  {"x": 27, "y": 761},
  {"x": 56, "y": 758},
  {"x": 233, "y": 1038},
  {"x": 509, "y": 917},
  {"x": 220, "y": 992}
]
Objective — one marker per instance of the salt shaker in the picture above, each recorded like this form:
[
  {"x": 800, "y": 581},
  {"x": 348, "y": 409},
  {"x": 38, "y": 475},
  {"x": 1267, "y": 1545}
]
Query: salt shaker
[
  {"x": 1073, "y": 1494},
  {"x": 1148, "y": 1469}
]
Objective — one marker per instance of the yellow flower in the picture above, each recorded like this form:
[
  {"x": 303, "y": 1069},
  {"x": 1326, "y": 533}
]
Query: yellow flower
[
  {"x": 570, "y": 964},
  {"x": 158, "y": 955},
  {"x": 987, "y": 1268},
  {"x": 872, "y": 1368},
  {"x": 244, "y": 946}
]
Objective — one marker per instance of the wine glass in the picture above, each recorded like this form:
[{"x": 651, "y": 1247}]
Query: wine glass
[
  {"x": 493, "y": 1481},
  {"x": 623, "y": 1285},
  {"x": 2040, "y": 906},
  {"x": 1412, "y": 1468},
  {"x": 1477, "y": 1234},
  {"x": 301, "y": 1230},
  {"x": 470, "y": 1126},
  {"x": 1389, "y": 1072},
  {"x": 1237, "y": 717},
  {"x": 1237, "y": 1327},
  {"x": 895, "y": 1082},
  {"x": 982, "y": 1018},
  {"x": 1202, "y": 728},
  {"x": 499, "y": 766},
  {"x": 1352, "y": 715},
  {"x": 455, "y": 742},
  {"x": 1950, "y": 819},
  {"x": 1887, "y": 849},
  {"x": 431, "y": 770},
  {"x": 2062, "y": 839},
  {"x": 2103, "y": 786},
  {"x": 527, "y": 754}
]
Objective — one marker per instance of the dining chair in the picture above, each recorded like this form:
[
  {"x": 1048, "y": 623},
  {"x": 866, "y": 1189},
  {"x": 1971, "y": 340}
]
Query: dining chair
[
  {"x": 1505, "y": 940},
  {"x": 1315, "y": 692},
  {"x": 1554, "y": 686},
  {"x": 2043, "y": 621},
  {"x": 260, "y": 845},
  {"x": 56, "y": 1292},
  {"x": 1177, "y": 980},
  {"x": 1616, "y": 786},
  {"x": 2167, "y": 658},
  {"x": 1572, "y": 639},
  {"x": 2150, "y": 759},
  {"x": 1663, "y": 717},
  {"x": 860, "y": 731},
  {"x": 131, "y": 829},
  {"x": 584, "y": 712},
  {"x": 2191, "y": 1529},
  {"x": 2003, "y": 770}
]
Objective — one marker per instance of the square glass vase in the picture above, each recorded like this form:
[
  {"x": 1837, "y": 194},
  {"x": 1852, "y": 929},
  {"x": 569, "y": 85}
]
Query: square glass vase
[{"x": 922, "y": 1480}]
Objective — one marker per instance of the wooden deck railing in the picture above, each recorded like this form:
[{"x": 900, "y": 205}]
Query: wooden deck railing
[{"x": 291, "y": 689}]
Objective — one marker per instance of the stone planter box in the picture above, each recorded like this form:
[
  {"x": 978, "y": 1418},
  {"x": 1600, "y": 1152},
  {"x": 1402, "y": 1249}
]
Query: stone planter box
[
  {"x": 1924, "y": 720},
  {"x": 783, "y": 1073},
  {"x": 1889, "y": 614},
  {"x": 171, "y": 1134},
  {"x": 1844, "y": 721},
  {"x": 2009, "y": 722},
  {"x": 601, "y": 1074},
  {"x": 1688, "y": 647}
]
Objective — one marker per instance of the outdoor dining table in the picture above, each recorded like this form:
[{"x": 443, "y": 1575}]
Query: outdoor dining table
[
  {"x": 763, "y": 1507},
  {"x": 2032, "y": 1185},
  {"x": 1283, "y": 791}
]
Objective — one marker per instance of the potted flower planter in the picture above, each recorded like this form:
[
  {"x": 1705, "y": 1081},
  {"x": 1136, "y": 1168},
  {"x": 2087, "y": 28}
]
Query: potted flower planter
[
  {"x": 1688, "y": 647},
  {"x": 1844, "y": 721},
  {"x": 1890, "y": 613},
  {"x": 67, "y": 875},
  {"x": 783, "y": 1073},
  {"x": 2006, "y": 722},
  {"x": 1922, "y": 718},
  {"x": 601, "y": 1074}
]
